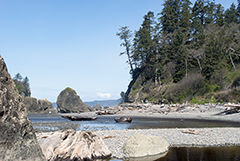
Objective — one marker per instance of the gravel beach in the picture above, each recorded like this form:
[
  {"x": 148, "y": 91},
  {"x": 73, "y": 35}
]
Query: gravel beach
[{"x": 177, "y": 137}]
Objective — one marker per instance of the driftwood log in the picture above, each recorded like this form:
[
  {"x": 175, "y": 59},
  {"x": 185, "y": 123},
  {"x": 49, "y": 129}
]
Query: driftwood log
[
  {"x": 123, "y": 119},
  {"x": 233, "y": 109},
  {"x": 79, "y": 118},
  {"x": 105, "y": 112},
  {"x": 70, "y": 145}
]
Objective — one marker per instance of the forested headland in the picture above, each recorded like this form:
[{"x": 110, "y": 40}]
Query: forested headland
[{"x": 189, "y": 52}]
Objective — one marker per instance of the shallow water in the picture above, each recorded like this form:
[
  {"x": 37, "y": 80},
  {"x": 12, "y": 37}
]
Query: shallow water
[
  {"x": 203, "y": 154},
  {"x": 55, "y": 122}
]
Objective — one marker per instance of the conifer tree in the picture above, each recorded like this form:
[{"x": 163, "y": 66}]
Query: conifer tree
[
  {"x": 170, "y": 16},
  {"x": 125, "y": 35},
  {"x": 231, "y": 14}
]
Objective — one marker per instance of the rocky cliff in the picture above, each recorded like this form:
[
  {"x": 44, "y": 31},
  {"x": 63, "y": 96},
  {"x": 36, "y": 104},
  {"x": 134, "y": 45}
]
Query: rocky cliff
[
  {"x": 69, "y": 102},
  {"x": 18, "y": 140}
]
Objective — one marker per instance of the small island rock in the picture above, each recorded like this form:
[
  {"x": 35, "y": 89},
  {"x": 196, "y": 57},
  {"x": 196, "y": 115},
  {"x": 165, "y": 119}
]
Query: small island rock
[
  {"x": 69, "y": 102},
  {"x": 97, "y": 107}
]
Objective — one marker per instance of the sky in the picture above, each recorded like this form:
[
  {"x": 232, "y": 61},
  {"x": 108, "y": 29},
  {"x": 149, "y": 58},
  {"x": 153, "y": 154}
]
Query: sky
[{"x": 59, "y": 44}]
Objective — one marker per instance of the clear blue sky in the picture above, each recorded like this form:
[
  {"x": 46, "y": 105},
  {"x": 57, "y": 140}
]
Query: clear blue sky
[{"x": 59, "y": 44}]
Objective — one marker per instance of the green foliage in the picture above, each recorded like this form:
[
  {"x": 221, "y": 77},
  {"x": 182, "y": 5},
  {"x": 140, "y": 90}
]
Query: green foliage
[
  {"x": 70, "y": 89},
  {"x": 182, "y": 39},
  {"x": 209, "y": 88},
  {"x": 22, "y": 85}
]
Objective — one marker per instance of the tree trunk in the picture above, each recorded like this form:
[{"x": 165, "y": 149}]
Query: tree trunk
[
  {"x": 130, "y": 62},
  {"x": 232, "y": 61},
  {"x": 199, "y": 64}
]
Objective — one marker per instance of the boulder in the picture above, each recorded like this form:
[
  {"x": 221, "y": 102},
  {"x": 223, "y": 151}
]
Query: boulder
[
  {"x": 97, "y": 107},
  {"x": 69, "y": 102},
  {"x": 38, "y": 106},
  {"x": 123, "y": 119},
  {"x": 17, "y": 138},
  {"x": 145, "y": 145},
  {"x": 74, "y": 145}
]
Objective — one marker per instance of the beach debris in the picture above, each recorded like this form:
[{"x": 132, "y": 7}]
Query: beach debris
[
  {"x": 105, "y": 112},
  {"x": 109, "y": 136},
  {"x": 123, "y": 119},
  {"x": 79, "y": 118},
  {"x": 74, "y": 145},
  {"x": 230, "y": 109},
  {"x": 190, "y": 131},
  {"x": 139, "y": 145}
]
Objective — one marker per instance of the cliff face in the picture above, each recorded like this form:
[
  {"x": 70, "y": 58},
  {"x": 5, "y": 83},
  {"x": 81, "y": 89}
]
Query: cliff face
[
  {"x": 18, "y": 140},
  {"x": 69, "y": 102},
  {"x": 141, "y": 90}
]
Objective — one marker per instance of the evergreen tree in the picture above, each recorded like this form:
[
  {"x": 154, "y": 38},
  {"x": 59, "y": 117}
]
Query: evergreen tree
[
  {"x": 143, "y": 44},
  {"x": 219, "y": 15},
  {"x": 185, "y": 16},
  {"x": 170, "y": 16},
  {"x": 125, "y": 35},
  {"x": 231, "y": 15},
  {"x": 26, "y": 82},
  {"x": 18, "y": 77},
  {"x": 238, "y": 12}
]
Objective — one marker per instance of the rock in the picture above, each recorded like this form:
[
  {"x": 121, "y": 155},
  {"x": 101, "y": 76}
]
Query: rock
[
  {"x": 74, "y": 145},
  {"x": 97, "y": 107},
  {"x": 123, "y": 119},
  {"x": 145, "y": 145},
  {"x": 79, "y": 118},
  {"x": 69, "y": 102},
  {"x": 38, "y": 106},
  {"x": 17, "y": 138}
]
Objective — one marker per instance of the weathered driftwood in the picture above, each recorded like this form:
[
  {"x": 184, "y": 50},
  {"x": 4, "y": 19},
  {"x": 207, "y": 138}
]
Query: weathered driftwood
[
  {"x": 70, "y": 145},
  {"x": 123, "y": 119},
  {"x": 190, "y": 132},
  {"x": 233, "y": 109},
  {"x": 105, "y": 112},
  {"x": 79, "y": 118}
]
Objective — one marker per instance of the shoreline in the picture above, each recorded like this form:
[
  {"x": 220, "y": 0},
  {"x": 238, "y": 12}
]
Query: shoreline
[{"x": 176, "y": 137}]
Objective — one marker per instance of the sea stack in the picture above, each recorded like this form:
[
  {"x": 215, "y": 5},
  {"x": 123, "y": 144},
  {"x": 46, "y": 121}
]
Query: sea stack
[
  {"x": 69, "y": 102},
  {"x": 18, "y": 140}
]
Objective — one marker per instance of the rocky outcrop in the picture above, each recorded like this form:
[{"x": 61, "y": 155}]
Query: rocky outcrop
[
  {"x": 145, "y": 145},
  {"x": 97, "y": 107},
  {"x": 74, "y": 145},
  {"x": 69, "y": 102},
  {"x": 38, "y": 106},
  {"x": 17, "y": 138}
]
